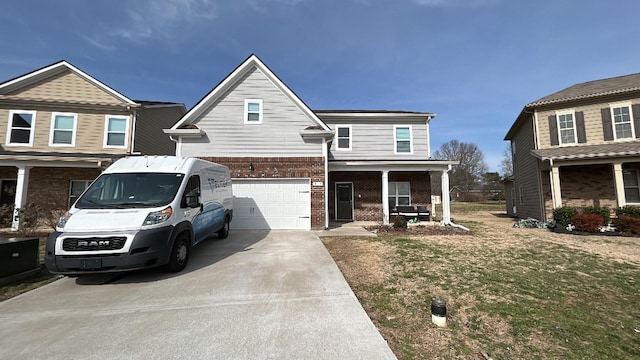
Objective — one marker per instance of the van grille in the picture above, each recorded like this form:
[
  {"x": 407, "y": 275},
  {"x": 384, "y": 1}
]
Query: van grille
[{"x": 93, "y": 243}]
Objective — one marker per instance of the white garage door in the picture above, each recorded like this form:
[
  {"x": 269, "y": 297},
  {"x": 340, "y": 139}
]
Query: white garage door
[{"x": 271, "y": 204}]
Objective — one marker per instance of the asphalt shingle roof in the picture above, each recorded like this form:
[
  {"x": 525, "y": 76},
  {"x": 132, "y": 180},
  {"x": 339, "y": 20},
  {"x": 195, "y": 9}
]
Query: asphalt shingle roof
[
  {"x": 610, "y": 86},
  {"x": 618, "y": 149}
]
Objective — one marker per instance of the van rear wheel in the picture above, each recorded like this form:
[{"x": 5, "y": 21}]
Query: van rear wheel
[
  {"x": 179, "y": 254},
  {"x": 224, "y": 232}
]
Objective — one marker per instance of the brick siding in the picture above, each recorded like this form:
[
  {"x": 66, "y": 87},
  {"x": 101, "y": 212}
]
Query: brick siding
[
  {"x": 367, "y": 191},
  {"x": 282, "y": 168}
]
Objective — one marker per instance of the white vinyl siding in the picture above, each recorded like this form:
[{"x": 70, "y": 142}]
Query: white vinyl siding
[
  {"x": 566, "y": 128},
  {"x": 622, "y": 123},
  {"x": 253, "y": 111},
  {"x": 403, "y": 139},
  {"x": 343, "y": 135},
  {"x": 63, "y": 129},
  {"x": 116, "y": 131},
  {"x": 21, "y": 128}
]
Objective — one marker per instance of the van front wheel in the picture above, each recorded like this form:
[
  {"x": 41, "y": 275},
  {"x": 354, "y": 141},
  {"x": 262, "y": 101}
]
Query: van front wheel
[
  {"x": 179, "y": 254},
  {"x": 224, "y": 232}
]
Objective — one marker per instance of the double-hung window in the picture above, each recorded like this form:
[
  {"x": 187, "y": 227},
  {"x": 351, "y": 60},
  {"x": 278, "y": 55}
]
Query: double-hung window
[
  {"x": 63, "y": 129},
  {"x": 567, "y": 128},
  {"x": 115, "y": 134},
  {"x": 253, "y": 111},
  {"x": 21, "y": 127},
  {"x": 403, "y": 139},
  {"x": 344, "y": 137},
  {"x": 399, "y": 194},
  {"x": 76, "y": 189},
  {"x": 622, "y": 125},
  {"x": 631, "y": 185}
]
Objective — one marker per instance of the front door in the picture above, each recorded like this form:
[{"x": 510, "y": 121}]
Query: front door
[
  {"x": 8, "y": 192},
  {"x": 344, "y": 201}
]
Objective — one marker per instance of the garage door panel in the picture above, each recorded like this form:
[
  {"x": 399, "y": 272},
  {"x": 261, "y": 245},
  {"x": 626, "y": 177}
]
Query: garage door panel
[{"x": 271, "y": 204}]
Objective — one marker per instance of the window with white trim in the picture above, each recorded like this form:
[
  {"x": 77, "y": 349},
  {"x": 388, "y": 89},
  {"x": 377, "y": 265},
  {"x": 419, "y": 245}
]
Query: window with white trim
[
  {"x": 631, "y": 185},
  {"x": 253, "y": 111},
  {"x": 343, "y": 134},
  {"x": 622, "y": 125},
  {"x": 21, "y": 127},
  {"x": 567, "y": 128},
  {"x": 115, "y": 131},
  {"x": 63, "y": 129},
  {"x": 399, "y": 194},
  {"x": 76, "y": 188},
  {"x": 402, "y": 137}
]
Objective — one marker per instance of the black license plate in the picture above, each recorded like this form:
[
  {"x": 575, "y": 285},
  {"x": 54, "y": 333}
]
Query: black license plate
[{"x": 90, "y": 264}]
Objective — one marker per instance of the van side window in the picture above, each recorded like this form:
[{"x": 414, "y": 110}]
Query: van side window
[{"x": 191, "y": 197}]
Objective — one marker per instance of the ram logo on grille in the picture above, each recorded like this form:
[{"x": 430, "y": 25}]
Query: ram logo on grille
[{"x": 89, "y": 244}]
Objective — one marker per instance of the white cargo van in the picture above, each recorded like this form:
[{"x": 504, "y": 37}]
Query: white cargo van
[{"x": 142, "y": 212}]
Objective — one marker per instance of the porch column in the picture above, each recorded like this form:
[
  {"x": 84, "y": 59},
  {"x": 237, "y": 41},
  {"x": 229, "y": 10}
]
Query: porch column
[
  {"x": 619, "y": 183},
  {"x": 21, "y": 195},
  {"x": 446, "y": 209},
  {"x": 556, "y": 193},
  {"x": 385, "y": 196}
]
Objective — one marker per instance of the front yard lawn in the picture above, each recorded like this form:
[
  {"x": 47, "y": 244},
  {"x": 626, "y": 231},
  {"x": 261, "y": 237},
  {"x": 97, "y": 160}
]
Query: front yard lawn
[{"x": 511, "y": 293}]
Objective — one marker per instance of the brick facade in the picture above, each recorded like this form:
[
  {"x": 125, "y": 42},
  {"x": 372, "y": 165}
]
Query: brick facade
[
  {"x": 367, "y": 191},
  {"x": 282, "y": 168},
  {"x": 49, "y": 186}
]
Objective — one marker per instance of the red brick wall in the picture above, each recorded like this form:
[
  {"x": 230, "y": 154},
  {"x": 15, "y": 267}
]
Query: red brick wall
[
  {"x": 591, "y": 185},
  {"x": 282, "y": 168},
  {"x": 367, "y": 191}
]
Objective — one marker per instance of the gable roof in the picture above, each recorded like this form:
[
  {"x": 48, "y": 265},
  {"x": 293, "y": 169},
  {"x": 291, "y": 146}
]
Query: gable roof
[
  {"x": 591, "y": 89},
  {"x": 54, "y": 69},
  {"x": 250, "y": 63}
]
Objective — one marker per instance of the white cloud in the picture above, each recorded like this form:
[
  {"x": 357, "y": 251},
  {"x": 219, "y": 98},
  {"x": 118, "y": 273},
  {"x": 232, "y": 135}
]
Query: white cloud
[{"x": 161, "y": 20}]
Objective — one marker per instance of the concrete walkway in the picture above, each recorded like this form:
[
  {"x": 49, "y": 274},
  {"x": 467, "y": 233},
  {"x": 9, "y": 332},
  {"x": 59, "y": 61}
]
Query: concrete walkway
[
  {"x": 255, "y": 295},
  {"x": 347, "y": 229}
]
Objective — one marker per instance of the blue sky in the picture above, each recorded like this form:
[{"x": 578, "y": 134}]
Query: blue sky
[{"x": 475, "y": 63}]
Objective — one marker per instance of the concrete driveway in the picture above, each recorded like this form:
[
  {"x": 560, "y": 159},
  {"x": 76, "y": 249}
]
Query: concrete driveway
[{"x": 254, "y": 295}]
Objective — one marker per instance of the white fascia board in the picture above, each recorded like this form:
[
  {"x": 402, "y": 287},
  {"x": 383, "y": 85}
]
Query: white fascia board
[
  {"x": 252, "y": 61},
  {"x": 391, "y": 165}
]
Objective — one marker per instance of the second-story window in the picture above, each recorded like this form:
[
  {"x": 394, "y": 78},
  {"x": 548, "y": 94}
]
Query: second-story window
[
  {"x": 623, "y": 129},
  {"x": 567, "y": 128},
  {"x": 344, "y": 137},
  {"x": 402, "y": 137},
  {"x": 63, "y": 129},
  {"x": 115, "y": 135},
  {"x": 21, "y": 127},
  {"x": 252, "y": 111}
]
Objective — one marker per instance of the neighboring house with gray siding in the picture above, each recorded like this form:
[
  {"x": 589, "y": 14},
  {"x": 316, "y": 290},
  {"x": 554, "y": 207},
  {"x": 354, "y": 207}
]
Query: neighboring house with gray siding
[
  {"x": 296, "y": 168},
  {"x": 578, "y": 147},
  {"x": 61, "y": 127}
]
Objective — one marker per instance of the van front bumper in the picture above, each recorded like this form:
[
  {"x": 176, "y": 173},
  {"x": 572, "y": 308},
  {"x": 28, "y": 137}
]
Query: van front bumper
[{"x": 149, "y": 248}]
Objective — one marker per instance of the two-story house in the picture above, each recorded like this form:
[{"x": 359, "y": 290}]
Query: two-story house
[
  {"x": 577, "y": 147},
  {"x": 295, "y": 168},
  {"x": 61, "y": 127}
]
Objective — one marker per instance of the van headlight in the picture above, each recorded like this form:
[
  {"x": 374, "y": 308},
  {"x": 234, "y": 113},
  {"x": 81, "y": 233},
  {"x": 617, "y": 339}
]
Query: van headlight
[
  {"x": 62, "y": 221},
  {"x": 157, "y": 217}
]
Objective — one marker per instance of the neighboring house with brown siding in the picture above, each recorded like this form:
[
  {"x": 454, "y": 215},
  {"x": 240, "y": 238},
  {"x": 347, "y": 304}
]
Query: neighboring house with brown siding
[
  {"x": 61, "y": 127},
  {"x": 296, "y": 168},
  {"x": 577, "y": 147}
]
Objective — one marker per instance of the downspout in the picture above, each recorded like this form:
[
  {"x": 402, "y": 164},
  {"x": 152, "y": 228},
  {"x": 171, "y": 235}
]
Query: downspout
[
  {"x": 325, "y": 153},
  {"x": 134, "y": 119},
  {"x": 446, "y": 209}
]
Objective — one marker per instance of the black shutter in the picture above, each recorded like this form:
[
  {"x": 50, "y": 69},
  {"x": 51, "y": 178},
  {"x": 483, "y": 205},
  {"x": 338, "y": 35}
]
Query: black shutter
[
  {"x": 553, "y": 130},
  {"x": 582, "y": 133},
  {"x": 635, "y": 109},
  {"x": 607, "y": 126}
]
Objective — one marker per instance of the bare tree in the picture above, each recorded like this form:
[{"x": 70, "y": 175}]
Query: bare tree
[
  {"x": 472, "y": 167},
  {"x": 506, "y": 165}
]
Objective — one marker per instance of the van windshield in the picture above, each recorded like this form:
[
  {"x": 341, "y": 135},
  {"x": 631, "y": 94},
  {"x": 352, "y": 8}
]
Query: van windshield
[{"x": 130, "y": 190}]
